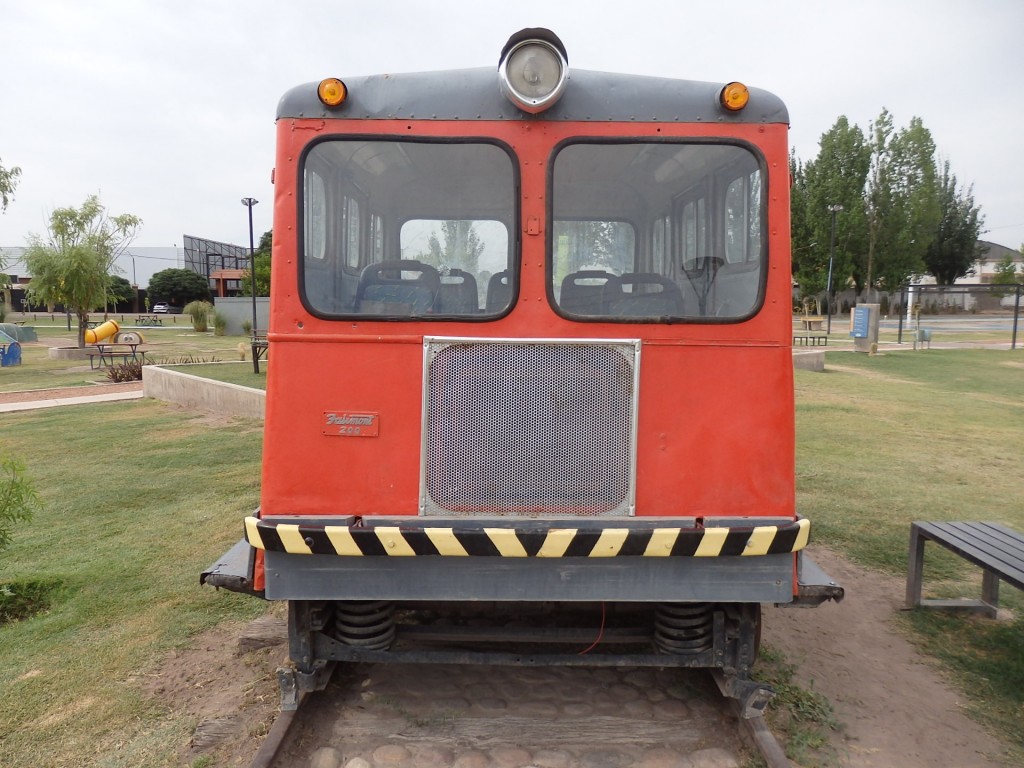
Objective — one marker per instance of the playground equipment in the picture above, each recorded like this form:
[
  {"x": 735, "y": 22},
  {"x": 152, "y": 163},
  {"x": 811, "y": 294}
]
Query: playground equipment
[
  {"x": 19, "y": 331},
  {"x": 10, "y": 350},
  {"x": 101, "y": 332},
  {"x": 111, "y": 333}
]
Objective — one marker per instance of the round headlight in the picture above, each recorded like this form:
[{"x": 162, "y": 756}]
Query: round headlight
[{"x": 533, "y": 72}]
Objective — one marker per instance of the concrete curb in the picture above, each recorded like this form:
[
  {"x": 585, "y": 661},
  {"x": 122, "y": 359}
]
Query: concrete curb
[{"x": 206, "y": 394}]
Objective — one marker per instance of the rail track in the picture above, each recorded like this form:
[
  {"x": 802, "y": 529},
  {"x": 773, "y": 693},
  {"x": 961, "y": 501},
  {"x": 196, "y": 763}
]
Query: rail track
[{"x": 444, "y": 715}]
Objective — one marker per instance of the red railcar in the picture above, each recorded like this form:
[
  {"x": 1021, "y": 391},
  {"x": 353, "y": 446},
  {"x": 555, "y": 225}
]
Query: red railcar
[{"x": 530, "y": 357}]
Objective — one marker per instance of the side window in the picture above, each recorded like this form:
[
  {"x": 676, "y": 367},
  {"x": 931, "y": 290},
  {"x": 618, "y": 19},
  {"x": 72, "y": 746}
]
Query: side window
[
  {"x": 661, "y": 246},
  {"x": 695, "y": 232},
  {"x": 352, "y": 224},
  {"x": 316, "y": 217},
  {"x": 742, "y": 219},
  {"x": 376, "y": 238}
]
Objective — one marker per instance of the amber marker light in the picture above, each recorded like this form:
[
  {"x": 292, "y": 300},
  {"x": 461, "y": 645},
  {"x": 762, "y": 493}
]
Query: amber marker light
[
  {"x": 734, "y": 96},
  {"x": 332, "y": 92}
]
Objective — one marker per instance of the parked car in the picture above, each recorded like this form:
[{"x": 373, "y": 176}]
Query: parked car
[{"x": 161, "y": 308}]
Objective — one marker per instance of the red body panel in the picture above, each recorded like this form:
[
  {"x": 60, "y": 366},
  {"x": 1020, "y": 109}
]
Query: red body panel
[{"x": 715, "y": 436}]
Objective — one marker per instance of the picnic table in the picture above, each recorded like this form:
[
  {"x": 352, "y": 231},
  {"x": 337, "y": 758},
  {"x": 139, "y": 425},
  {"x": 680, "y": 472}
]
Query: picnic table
[
  {"x": 103, "y": 355},
  {"x": 150, "y": 320}
]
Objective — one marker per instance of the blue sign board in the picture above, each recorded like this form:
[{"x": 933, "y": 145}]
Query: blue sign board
[{"x": 861, "y": 315}]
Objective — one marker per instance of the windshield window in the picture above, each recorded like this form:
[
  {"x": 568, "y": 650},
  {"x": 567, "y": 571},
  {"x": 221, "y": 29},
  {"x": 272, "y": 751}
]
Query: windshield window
[
  {"x": 408, "y": 230},
  {"x": 649, "y": 232}
]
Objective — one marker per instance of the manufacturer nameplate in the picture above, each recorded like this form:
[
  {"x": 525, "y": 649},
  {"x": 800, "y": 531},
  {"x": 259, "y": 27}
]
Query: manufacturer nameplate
[{"x": 350, "y": 424}]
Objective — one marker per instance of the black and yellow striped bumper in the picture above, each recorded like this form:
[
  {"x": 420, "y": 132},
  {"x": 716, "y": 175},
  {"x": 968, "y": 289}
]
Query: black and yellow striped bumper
[{"x": 529, "y": 540}]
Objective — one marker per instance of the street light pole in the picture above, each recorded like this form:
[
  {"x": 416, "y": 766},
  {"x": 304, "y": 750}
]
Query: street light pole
[
  {"x": 834, "y": 209},
  {"x": 135, "y": 288},
  {"x": 249, "y": 202}
]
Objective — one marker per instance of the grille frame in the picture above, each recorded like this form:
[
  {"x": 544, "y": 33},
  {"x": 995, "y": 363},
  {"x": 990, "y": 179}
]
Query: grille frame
[{"x": 625, "y": 352}]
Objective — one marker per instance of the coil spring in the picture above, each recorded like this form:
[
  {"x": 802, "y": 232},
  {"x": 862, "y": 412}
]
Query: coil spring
[
  {"x": 367, "y": 624},
  {"x": 683, "y": 627}
]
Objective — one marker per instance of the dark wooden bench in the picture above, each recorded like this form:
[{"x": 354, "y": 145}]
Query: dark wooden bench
[
  {"x": 996, "y": 549},
  {"x": 259, "y": 350},
  {"x": 810, "y": 340}
]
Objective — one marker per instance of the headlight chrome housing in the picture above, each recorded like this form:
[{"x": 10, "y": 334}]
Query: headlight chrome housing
[{"x": 533, "y": 69}]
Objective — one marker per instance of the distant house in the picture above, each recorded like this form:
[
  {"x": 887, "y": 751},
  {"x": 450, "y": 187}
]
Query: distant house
[{"x": 992, "y": 255}]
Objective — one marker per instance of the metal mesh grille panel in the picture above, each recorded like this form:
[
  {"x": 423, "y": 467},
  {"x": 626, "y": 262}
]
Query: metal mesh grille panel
[{"x": 529, "y": 428}]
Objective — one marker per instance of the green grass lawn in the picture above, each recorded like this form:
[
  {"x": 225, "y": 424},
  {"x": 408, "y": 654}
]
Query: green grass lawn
[
  {"x": 882, "y": 441},
  {"x": 886, "y": 440},
  {"x": 123, "y": 544},
  {"x": 928, "y": 435},
  {"x": 231, "y": 373}
]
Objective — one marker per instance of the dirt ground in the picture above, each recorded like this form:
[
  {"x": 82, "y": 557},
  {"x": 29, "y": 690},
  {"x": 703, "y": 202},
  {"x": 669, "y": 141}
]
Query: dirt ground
[
  {"x": 894, "y": 705},
  {"x": 894, "y": 708}
]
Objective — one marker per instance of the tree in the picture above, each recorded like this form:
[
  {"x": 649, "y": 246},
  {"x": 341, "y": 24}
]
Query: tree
[
  {"x": 461, "y": 247},
  {"x": 262, "y": 260},
  {"x": 954, "y": 249},
  {"x": 5, "y": 288},
  {"x": 835, "y": 177},
  {"x": 591, "y": 245},
  {"x": 1006, "y": 273},
  {"x": 119, "y": 290},
  {"x": 18, "y": 497},
  {"x": 8, "y": 182},
  {"x": 902, "y": 205},
  {"x": 900, "y": 215},
  {"x": 178, "y": 287},
  {"x": 74, "y": 264}
]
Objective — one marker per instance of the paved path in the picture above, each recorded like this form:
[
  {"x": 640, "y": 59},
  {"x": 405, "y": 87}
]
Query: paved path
[{"x": 51, "y": 398}]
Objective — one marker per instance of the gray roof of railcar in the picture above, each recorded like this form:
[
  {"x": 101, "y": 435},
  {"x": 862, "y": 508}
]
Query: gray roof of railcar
[{"x": 474, "y": 94}]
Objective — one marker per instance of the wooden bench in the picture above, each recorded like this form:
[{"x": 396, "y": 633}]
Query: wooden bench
[
  {"x": 998, "y": 550},
  {"x": 259, "y": 350},
  {"x": 811, "y": 322},
  {"x": 810, "y": 340}
]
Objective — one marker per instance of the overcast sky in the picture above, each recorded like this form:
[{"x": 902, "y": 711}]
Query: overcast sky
[{"x": 165, "y": 108}]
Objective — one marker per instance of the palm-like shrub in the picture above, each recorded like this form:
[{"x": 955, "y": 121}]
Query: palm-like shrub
[{"x": 200, "y": 312}]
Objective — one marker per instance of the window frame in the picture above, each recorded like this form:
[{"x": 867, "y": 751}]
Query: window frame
[
  {"x": 375, "y": 231},
  {"x": 761, "y": 262}
]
